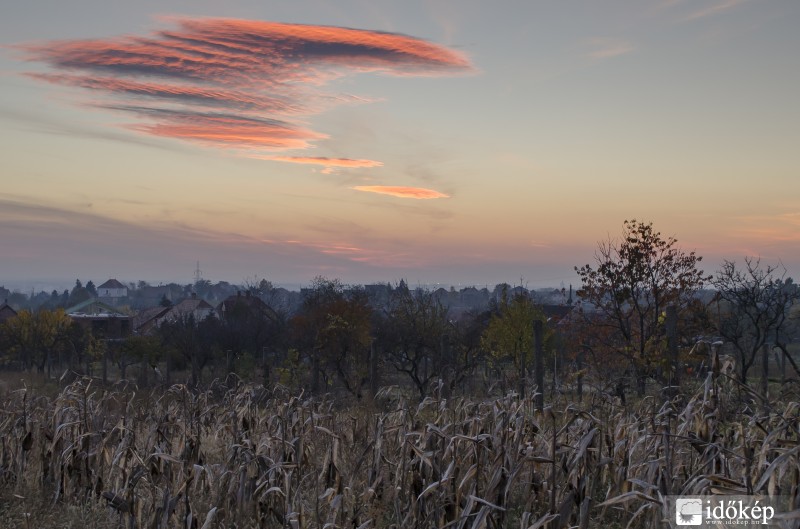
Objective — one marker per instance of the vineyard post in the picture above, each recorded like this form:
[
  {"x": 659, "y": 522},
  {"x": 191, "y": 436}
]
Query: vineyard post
[
  {"x": 538, "y": 354},
  {"x": 671, "y": 325},
  {"x": 765, "y": 370},
  {"x": 373, "y": 370},
  {"x": 580, "y": 375}
]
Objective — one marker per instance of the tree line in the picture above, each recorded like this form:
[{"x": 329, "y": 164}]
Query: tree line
[{"x": 643, "y": 305}]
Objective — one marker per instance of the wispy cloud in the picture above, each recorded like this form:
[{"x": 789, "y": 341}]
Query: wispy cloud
[
  {"x": 222, "y": 129},
  {"x": 606, "y": 48},
  {"x": 778, "y": 228},
  {"x": 190, "y": 95},
  {"x": 419, "y": 193},
  {"x": 328, "y": 163},
  {"x": 715, "y": 9},
  {"x": 34, "y": 232},
  {"x": 237, "y": 84}
]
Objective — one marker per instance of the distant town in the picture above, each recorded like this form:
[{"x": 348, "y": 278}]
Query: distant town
[{"x": 136, "y": 307}]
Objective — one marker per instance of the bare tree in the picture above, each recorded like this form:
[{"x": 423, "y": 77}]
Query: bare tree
[
  {"x": 414, "y": 336},
  {"x": 752, "y": 306}
]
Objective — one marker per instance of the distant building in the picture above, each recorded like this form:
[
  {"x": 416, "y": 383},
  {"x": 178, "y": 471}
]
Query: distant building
[
  {"x": 443, "y": 296},
  {"x": 378, "y": 294},
  {"x": 6, "y": 312},
  {"x": 101, "y": 319},
  {"x": 473, "y": 298},
  {"x": 557, "y": 313},
  {"x": 112, "y": 289},
  {"x": 196, "y": 307},
  {"x": 148, "y": 296},
  {"x": 244, "y": 304},
  {"x": 148, "y": 320}
]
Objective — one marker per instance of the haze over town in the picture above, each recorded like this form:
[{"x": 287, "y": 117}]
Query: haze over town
[{"x": 451, "y": 142}]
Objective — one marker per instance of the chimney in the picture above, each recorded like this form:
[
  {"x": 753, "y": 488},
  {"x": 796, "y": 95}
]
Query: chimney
[
  {"x": 194, "y": 295},
  {"x": 238, "y": 293}
]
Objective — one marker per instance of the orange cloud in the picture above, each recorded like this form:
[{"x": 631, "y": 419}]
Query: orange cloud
[
  {"x": 418, "y": 193},
  {"x": 299, "y": 43},
  {"x": 225, "y": 130},
  {"x": 322, "y": 160},
  {"x": 263, "y": 75}
]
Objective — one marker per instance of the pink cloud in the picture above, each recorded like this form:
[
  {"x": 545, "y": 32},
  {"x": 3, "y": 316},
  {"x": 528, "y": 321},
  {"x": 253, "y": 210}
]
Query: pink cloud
[
  {"x": 189, "y": 95},
  {"x": 230, "y": 131},
  {"x": 262, "y": 76},
  {"x": 418, "y": 193},
  {"x": 323, "y": 160}
]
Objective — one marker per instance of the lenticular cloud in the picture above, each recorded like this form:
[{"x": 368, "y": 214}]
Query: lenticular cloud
[
  {"x": 235, "y": 84},
  {"x": 418, "y": 193}
]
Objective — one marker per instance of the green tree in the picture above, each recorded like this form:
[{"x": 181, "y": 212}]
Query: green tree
[
  {"x": 633, "y": 281},
  {"x": 82, "y": 348},
  {"x": 79, "y": 294},
  {"x": 35, "y": 337},
  {"x": 333, "y": 329},
  {"x": 508, "y": 337},
  {"x": 142, "y": 350}
]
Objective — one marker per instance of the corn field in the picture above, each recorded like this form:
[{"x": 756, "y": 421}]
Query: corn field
[{"x": 246, "y": 457}]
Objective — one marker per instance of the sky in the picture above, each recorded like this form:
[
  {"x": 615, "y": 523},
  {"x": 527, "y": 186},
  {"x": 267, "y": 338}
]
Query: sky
[{"x": 459, "y": 142}]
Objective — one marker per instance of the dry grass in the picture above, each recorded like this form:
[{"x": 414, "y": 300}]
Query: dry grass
[{"x": 244, "y": 457}]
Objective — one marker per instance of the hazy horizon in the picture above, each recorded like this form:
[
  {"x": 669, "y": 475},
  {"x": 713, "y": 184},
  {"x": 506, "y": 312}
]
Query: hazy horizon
[
  {"x": 25, "y": 286},
  {"x": 443, "y": 142}
]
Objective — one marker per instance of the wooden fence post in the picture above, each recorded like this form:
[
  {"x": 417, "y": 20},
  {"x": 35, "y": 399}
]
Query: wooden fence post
[
  {"x": 538, "y": 354},
  {"x": 671, "y": 327},
  {"x": 765, "y": 370}
]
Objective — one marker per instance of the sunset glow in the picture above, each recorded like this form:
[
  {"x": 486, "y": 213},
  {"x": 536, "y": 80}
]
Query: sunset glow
[
  {"x": 266, "y": 72},
  {"x": 431, "y": 141},
  {"x": 323, "y": 160},
  {"x": 403, "y": 192}
]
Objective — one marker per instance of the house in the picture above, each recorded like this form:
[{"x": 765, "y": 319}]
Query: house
[
  {"x": 148, "y": 296},
  {"x": 148, "y": 320},
  {"x": 103, "y": 320},
  {"x": 556, "y": 314},
  {"x": 112, "y": 289},
  {"x": 195, "y": 307},
  {"x": 473, "y": 298},
  {"x": 6, "y": 312},
  {"x": 378, "y": 294},
  {"x": 244, "y": 304}
]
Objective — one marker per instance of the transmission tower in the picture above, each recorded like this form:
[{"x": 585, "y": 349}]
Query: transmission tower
[{"x": 198, "y": 274}]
